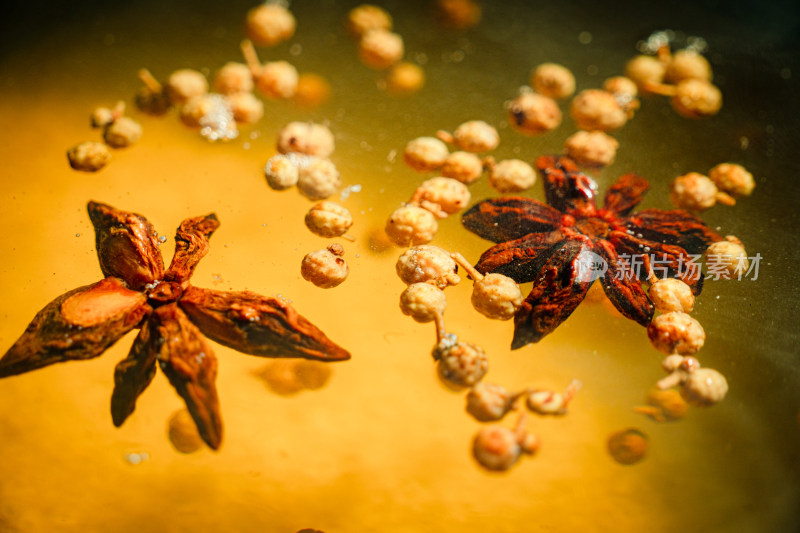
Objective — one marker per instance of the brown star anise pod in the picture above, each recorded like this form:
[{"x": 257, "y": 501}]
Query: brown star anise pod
[
  {"x": 174, "y": 318},
  {"x": 549, "y": 245}
]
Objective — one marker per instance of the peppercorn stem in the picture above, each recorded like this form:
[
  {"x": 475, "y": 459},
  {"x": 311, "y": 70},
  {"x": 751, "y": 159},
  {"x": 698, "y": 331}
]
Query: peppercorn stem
[
  {"x": 150, "y": 81},
  {"x": 445, "y": 136},
  {"x": 725, "y": 198},
  {"x": 462, "y": 261},
  {"x": 438, "y": 320},
  {"x": 119, "y": 110},
  {"x": 572, "y": 389},
  {"x": 663, "y": 53},
  {"x": 653, "y": 412},
  {"x": 251, "y": 57},
  {"x": 519, "y": 429},
  {"x": 670, "y": 381},
  {"x": 660, "y": 88},
  {"x": 651, "y": 275}
]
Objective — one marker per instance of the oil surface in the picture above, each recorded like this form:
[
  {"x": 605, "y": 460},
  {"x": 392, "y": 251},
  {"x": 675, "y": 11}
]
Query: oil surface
[{"x": 383, "y": 446}]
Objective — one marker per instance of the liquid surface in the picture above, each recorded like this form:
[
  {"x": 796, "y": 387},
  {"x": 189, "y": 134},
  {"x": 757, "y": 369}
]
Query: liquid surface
[{"x": 382, "y": 446}]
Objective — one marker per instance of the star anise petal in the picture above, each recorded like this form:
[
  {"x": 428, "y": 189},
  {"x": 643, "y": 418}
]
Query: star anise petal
[
  {"x": 625, "y": 194},
  {"x": 191, "y": 245},
  {"x": 567, "y": 188},
  {"x": 521, "y": 259},
  {"x": 510, "y": 218},
  {"x": 258, "y": 325},
  {"x": 672, "y": 227},
  {"x": 663, "y": 260},
  {"x": 127, "y": 246},
  {"x": 133, "y": 374},
  {"x": 556, "y": 293},
  {"x": 80, "y": 324},
  {"x": 189, "y": 363},
  {"x": 622, "y": 286}
]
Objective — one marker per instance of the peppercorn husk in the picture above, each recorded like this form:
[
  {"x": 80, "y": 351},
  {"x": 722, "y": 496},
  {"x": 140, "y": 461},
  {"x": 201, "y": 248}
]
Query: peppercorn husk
[
  {"x": 628, "y": 447},
  {"x": 89, "y": 156},
  {"x": 411, "y": 225},
  {"x": 423, "y": 302},
  {"x": 183, "y": 433},
  {"x": 325, "y": 268}
]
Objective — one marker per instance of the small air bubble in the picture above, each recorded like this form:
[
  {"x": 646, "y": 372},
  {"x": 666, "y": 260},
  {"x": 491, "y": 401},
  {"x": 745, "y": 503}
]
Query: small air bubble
[
  {"x": 744, "y": 143},
  {"x": 584, "y": 37},
  {"x": 137, "y": 458}
]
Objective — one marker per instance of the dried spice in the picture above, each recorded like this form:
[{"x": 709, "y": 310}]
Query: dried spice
[
  {"x": 553, "y": 80},
  {"x": 174, "y": 318},
  {"x": 547, "y": 402},
  {"x": 423, "y": 302},
  {"x": 270, "y": 23},
  {"x": 628, "y": 447},
  {"x": 497, "y": 448},
  {"x": 487, "y": 402},
  {"x": 380, "y": 49},
  {"x": 552, "y": 245},
  {"x": 367, "y": 17}
]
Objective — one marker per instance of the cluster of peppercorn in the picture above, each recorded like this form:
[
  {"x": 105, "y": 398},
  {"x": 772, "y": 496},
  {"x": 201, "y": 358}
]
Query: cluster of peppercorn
[
  {"x": 415, "y": 222},
  {"x": 676, "y": 333},
  {"x": 595, "y": 112},
  {"x": 724, "y": 183},
  {"x": 303, "y": 161},
  {"x": 213, "y": 114},
  {"x": 684, "y": 76},
  {"x": 268, "y": 25},
  {"x": 218, "y": 113},
  {"x": 536, "y": 110},
  {"x": 381, "y": 49},
  {"x": 726, "y": 259},
  {"x": 119, "y": 131},
  {"x": 427, "y": 271}
]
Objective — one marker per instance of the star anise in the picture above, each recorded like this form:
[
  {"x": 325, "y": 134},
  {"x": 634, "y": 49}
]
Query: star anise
[
  {"x": 550, "y": 245},
  {"x": 174, "y": 318}
]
